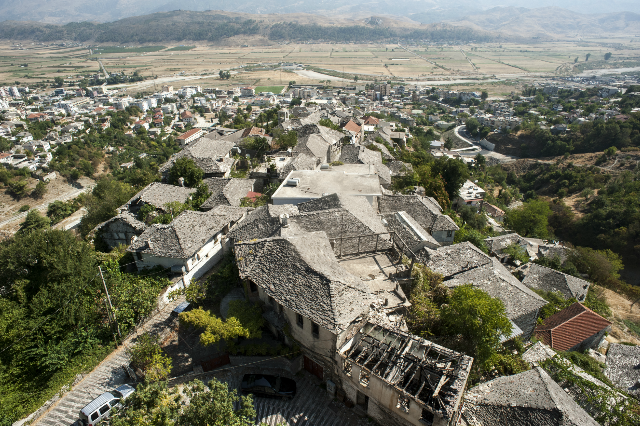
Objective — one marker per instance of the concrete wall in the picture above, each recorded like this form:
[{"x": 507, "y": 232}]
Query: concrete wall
[
  {"x": 527, "y": 323},
  {"x": 592, "y": 342},
  {"x": 441, "y": 237},
  {"x": 383, "y": 399}
]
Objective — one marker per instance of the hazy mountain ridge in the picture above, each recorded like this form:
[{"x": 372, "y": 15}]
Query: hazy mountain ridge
[{"x": 552, "y": 21}]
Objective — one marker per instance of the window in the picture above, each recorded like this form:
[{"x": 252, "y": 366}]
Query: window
[
  {"x": 427, "y": 417},
  {"x": 364, "y": 378},
  {"x": 449, "y": 234},
  {"x": 347, "y": 367},
  {"x": 403, "y": 403},
  {"x": 94, "y": 416},
  {"x": 299, "y": 320},
  {"x": 272, "y": 301},
  {"x": 103, "y": 409},
  {"x": 315, "y": 330},
  {"x": 253, "y": 287},
  {"x": 139, "y": 255}
]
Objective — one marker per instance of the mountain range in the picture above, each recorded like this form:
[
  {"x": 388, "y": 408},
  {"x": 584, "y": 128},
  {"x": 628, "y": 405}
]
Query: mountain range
[
  {"x": 355, "y": 22},
  {"x": 423, "y": 11}
]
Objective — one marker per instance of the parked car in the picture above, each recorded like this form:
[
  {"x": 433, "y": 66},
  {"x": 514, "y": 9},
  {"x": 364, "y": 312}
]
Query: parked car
[
  {"x": 100, "y": 408},
  {"x": 266, "y": 385},
  {"x": 183, "y": 307}
]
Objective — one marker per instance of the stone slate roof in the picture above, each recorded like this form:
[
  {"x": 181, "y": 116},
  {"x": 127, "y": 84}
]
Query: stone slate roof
[
  {"x": 358, "y": 154},
  {"x": 302, "y": 273},
  {"x": 208, "y": 154},
  {"x": 158, "y": 194},
  {"x": 529, "y": 398},
  {"x": 300, "y": 162},
  {"x": 127, "y": 218},
  {"x": 414, "y": 235},
  {"x": 423, "y": 209},
  {"x": 227, "y": 192},
  {"x": 623, "y": 367},
  {"x": 498, "y": 282},
  {"x": 553, "y": 250},
  {"x": 359, "y": 207},
  {"x": 570, "y": 327},
  {"x": 495, "y": 244},
  {"x": 537, "y": 353},
  {"x": 399, "y": 168},
  {"x": 454, "y": 259},
  {"x": 547, "y": 279},
  {"x": 315, "y": 140},
  {"x": 383, "y": 149},
  {"x": 186, "y": 234},
  {"x": 263, "y": 222}
]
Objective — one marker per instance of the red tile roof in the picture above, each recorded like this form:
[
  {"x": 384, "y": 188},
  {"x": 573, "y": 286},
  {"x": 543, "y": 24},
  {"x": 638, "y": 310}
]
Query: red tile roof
[
  {"x": 570, "y": 327},
  {"x": 191, "y": 132},
  {"x": 371, "y": 120},
  {"x": 253, "y": 131},
  {"x": 351, "y": 126},
  {"x": 253, "y": 196}
]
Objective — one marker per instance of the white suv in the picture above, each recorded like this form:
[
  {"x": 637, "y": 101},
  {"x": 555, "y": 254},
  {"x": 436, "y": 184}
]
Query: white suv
[{"x": 100, "y": 408}]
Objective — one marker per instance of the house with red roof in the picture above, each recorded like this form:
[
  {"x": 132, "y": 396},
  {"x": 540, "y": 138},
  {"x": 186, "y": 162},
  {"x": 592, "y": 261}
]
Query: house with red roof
[
  {"x": 371, "y": 121},
  {"x": 574, "y": 328},
  {"x": 189, "y": 136},
  {"x": 253, "y": 131}
]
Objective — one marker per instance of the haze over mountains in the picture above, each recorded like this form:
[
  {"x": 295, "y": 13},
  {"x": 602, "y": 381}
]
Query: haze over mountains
[{"x": 541, "y": 18}]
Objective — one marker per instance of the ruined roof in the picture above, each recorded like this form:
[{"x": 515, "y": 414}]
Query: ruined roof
[
  {"x": 623, "y": 367},
  {"x": 300, "y": 162},
  {"x": 419, "y": 369},
  {"x": 423, "y": 209},
  {"x": 498, "y": 282},
  {"x": 454, "y": 259},
  {"x": 494, "y": 244},
  {"x": 547, "y": 279},
  {"x": 158, "y": 194},
  {"x": 410, "y": 231},
  {"x": 399, "y": 168},
  {"x": 186, "y": 234},
  {"x": 124, "y": 217},
  {"x": 359, "y": 207},
  {"x": 263, "y": 222},
  {"x": 208, "y": 154},
  {"x": 570, "y": 327},
  {"x": 531, "y": 397},
  {"x": 553, "y": 250},
  {"x": 302, "y": 273},
  {"x": 537, "y": 353}
]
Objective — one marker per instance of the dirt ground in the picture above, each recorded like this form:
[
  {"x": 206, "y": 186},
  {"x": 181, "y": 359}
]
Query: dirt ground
[
  {"x": 623, "y": 309},
  {"x": 57, "y": 189}
]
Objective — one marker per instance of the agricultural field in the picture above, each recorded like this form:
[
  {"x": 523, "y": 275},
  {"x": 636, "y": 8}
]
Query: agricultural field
[{"x": 258, "y": 65}]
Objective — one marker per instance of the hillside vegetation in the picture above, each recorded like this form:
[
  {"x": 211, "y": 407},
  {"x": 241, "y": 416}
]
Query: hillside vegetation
[{"x": 213, "y": 27}]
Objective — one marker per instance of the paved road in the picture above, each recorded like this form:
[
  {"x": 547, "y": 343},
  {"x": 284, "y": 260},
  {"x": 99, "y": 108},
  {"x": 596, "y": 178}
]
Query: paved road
[{"x": 107, "y": 376}]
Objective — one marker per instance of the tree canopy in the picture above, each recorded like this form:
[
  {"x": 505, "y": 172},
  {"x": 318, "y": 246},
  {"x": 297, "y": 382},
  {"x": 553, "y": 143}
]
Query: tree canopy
[
  {"x": 530, "y": 220},
  {"x": 185, "y": 168}
]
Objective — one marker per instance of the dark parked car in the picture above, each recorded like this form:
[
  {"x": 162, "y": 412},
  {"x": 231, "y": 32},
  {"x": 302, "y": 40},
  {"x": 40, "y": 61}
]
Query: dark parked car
[{"x": 266, "y": 385}]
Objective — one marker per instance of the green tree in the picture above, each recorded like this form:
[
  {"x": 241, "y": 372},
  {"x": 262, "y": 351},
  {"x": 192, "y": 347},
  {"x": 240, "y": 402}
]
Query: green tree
[
  {"x": 58, "y": 210},
  {"x": 58, "y": 81},
  {"x": 472, "y": 125},
  {"x": 600, "y": 265},
  {"x": 475, "y": 237},
  {"x": 101, "y": 205},
  {"x": 479, "y": 320},
  {"x": 146, "y": 355},
  {"x": 18, "y": 188},
  {"x": 328, "y": 123},
  {"x": 481, "y": 161},
  {"x": 454, "y": 173},
  {"x": 40, "y": 190},
  {"x": 607, "y": 56},
  {"x": 516, "y": 252},
  {"x": 154, "y": 404},
  {"x": 287, "y": 140},
  {"x": 448, "y": 143},
  {"x": 186, "y": 168},
  {"x": 484, "y": 95},
  {"x": 531, "y": 219},
  {"x": 34, "y": 222},
  {"x": 586, "y": 58}
]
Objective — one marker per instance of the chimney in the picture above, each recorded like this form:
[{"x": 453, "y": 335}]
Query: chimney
[
  {"x": 284, "y": 220},
  {"x": 181, "y": 181}
]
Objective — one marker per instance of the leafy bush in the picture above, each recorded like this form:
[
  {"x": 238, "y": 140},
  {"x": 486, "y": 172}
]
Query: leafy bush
[
  {"x": 147, "y": 355},
  {"x": 517, "y": 252}
]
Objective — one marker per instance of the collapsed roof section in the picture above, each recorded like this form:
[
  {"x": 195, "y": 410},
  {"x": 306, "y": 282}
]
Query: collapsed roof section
[{"x": 430, "y": 374}]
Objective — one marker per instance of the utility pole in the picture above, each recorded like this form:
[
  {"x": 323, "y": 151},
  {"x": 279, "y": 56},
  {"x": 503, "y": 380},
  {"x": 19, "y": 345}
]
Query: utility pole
[{"x": 110, "y": 305}]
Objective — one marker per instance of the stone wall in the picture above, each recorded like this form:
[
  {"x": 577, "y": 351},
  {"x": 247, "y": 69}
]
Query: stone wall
[
  {"x": 592, "y": 342},
  {"x": 527, "y": 323}
]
